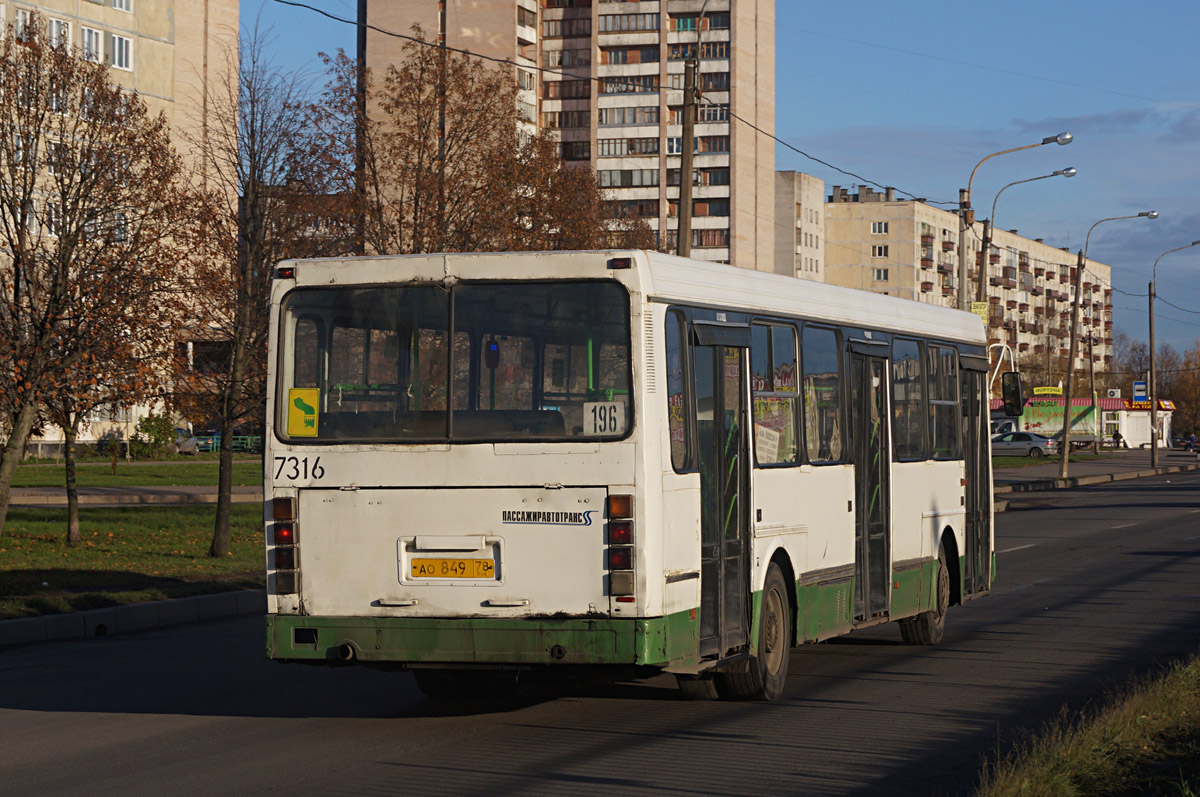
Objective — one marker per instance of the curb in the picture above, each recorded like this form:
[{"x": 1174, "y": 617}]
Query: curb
[
  {"x": 1001, "y": 505},
  {"x": 134, "y": 617}
]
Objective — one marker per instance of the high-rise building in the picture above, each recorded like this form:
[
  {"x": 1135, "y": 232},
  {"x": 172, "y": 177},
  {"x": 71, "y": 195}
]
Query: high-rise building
[
  {"x": 607, "y": 76},
  {"x": 800, "y": 225},
  {"x": 908, "y": 248}
]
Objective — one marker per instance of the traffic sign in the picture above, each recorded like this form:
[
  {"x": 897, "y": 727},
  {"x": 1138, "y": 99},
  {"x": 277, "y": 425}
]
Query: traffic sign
[{"x": 1140, "y": 392}]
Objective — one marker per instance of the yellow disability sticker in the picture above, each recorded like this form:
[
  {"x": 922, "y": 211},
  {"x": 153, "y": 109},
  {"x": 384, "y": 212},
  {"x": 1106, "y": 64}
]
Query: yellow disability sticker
[{"x": 302, "y": 411}]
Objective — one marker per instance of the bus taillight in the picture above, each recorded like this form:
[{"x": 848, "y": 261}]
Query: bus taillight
[
  {"x": 620, "y": 547},
  {"x": 285, "y": 534},
  {"x": 283, "y": 508}
]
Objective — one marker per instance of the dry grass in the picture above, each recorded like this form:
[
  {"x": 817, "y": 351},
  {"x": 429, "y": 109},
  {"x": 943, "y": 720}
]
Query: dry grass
[{"x": 1144, "y": 740}]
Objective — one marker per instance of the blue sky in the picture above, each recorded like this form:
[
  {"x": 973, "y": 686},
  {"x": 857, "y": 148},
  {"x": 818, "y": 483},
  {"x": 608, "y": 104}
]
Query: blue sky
[{"x": 913, "y": 94}]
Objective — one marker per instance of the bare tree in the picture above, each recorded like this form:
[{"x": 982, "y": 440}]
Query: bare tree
[
  {"x": 483, "y": 186},
  {"x": 90, "y": 204},
  {"x": 271, "y": 195}
]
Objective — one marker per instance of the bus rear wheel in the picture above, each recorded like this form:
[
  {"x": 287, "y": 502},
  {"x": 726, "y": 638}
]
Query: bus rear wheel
[
  {"x": 769, "y": 664},
  {"x": 928, "y": 628}
]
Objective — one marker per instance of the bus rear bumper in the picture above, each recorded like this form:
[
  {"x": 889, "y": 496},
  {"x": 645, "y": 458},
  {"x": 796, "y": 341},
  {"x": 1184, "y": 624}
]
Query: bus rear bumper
[{"x": 658, "y": 641}]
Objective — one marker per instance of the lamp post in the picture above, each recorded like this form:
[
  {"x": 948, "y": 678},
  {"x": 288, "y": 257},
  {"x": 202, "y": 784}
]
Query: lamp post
[
  {"x": 1065, "y": 442},
  {"x": 966, "y": 216},
  {"x": 1153, "y": 390},
  {"x": 989, "y": 223}
]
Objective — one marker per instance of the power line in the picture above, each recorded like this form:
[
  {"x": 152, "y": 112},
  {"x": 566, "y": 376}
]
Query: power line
[{"x": 594, "y": 79}]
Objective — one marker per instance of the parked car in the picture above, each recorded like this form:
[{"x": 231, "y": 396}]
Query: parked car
[
  {"x": 1023, "y": 444},
  {"x": 185, "y": 442}
]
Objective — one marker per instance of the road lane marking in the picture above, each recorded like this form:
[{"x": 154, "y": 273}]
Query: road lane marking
[
  {"x": 1123, "y": 526},
  {"x": 1018, "y": 548}
]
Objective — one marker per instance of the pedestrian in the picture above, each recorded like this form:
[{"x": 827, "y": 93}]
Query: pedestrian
[
  {"x": 1117, "y": 439},
  {"x": 1191, "y": 444}
]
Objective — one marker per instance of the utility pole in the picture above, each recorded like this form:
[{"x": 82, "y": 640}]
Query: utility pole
[
  {"x": 1153, "y": 391},
  {"x": 360, "y": 122},
  {"x": 1065, "y": 442},
  {"x": 683, "y": 246},
  {"x": 985, "y": 261},
  {"x": 441, "y": 156},
  {"x": 966, "y": 220}
]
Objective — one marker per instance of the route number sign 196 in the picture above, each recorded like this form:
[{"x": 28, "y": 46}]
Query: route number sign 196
[{"x": 603, "y": 418}]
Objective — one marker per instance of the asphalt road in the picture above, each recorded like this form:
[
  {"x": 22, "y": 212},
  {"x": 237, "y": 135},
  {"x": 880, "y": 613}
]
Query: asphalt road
[{"x": 1096, "y": 584}]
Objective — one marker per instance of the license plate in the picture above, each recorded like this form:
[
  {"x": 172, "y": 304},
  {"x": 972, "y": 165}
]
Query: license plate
[{"x": 453, "y": 568}]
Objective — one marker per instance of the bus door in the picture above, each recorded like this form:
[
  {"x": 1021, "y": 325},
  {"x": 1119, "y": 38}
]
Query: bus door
[
  {"x": 977, "y": 463},
  {"x": 870, "y": 453},
  {"x": 719, "y": 357}
]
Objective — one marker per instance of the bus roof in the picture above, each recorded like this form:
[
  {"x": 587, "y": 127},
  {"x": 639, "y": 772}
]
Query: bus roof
[{"x": 664, "y": 278}]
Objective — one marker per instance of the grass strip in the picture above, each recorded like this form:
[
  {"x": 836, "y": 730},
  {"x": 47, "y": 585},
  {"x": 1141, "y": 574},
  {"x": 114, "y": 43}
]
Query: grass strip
[
  {"x": 127, "y": 555},
  {"x": 1145, "y": 739},
  {"x": 138, "y": 474}
]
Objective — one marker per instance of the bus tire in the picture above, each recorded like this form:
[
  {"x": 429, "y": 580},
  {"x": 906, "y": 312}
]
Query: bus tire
[
  {"x": 697, "y": 687},
  {"x": 928, "y": 628},
  {"x": 769, "y": 663}
]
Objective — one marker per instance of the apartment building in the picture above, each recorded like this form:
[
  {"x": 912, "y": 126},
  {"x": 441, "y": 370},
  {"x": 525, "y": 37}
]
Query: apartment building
[
  {"x": 607, "y": 77},
  {"x": 168, "y": 51},
  {"x": 800, "y": 225},
  {"x": 908, "y": 248},
  {"x": 181, "y": 58}
]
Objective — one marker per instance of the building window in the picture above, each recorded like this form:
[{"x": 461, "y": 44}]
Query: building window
[
  {"x": 713, "y": 239},
  {"x": 629, "y": 55},
  {"x": 714, "y": 81},
  {"x": 879, "y": 274},
  {"x": 576, "y": 150},
  {"x": 122, "y": 52},
  {"x": 621, "y": 147},
  {"x": 123, "y": 5},
  {"x": 566, "y": 89},
  {"x": 629, "y": 84},
  {"x": 556, "y": 120},
  {"x": 618, "y": 23},
  {"x": 713, "y": 113},
  {"x": 879, "y": 228},
  {"x": 59, "y": 33},
  {"x": 91, "y": 45},
  {"x": 559, "y": 28},
  {"x": 643, "y": 115},
  {"x": 526, "y": 17},
  {"x": 567, "y": 58},
  {"x": 627, "y": 178},
  {"x": 879, "y": 251}
]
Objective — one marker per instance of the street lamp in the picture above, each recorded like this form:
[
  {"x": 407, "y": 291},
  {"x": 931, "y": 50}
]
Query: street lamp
[
  {"x": 966, "y": 216},
  {"x": 990, "y": 223},
  {"x": 1153, "y": 390},
  {"x": 1065, "y": 442}
]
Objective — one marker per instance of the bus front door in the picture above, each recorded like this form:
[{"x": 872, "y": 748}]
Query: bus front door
[
  {"x": 870, "y": 452},
  {"x": 977, "y": 461},
  {"x": 719, "y": 373}
]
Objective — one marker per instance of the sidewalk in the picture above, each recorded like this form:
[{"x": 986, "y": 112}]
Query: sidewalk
[
  {"x": 111, "y": 496},
  {"x": 1131, "y": 464}
]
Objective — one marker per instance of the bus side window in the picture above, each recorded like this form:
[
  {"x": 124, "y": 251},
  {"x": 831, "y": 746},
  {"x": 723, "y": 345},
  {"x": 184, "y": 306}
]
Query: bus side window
[
  {"x": 944, "y": 412},
  {"x": 908, "y": 400},
  {"x": 676, "y": 400},
  {"x": 822, "y": 395},
  {"x": 774, "y": 393},
  {"x": 307, "y": 350}
]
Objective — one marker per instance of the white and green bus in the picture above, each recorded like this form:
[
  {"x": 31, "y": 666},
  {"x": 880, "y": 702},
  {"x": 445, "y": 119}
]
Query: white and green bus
[{"x": 497, "y": 463}]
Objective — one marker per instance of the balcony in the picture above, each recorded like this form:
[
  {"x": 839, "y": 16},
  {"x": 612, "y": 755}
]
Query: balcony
[
  {"x": 945, "y": 268},
  {"x": 1010, "y": 324},
  {"x": 1011, "y": 303},
  {"x": 993, "y": 300},
  {"x": 947, "y": 246},
  {"x": 947, "y": 290},
  {"x": 926, "y": 240},
  {"x": 1037, "y": 290},
  {"x": 926, "y": 287},
  {"x": 1023, "y": 306},
  {"x": 994, "y": 258},
  {"x": 1022, "y": 347},
  {"x": 926, "y": 262}
]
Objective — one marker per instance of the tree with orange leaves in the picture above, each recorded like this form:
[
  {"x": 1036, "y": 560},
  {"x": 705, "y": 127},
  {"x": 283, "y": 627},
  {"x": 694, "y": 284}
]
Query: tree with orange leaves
[{"x": 90, "y": 202}]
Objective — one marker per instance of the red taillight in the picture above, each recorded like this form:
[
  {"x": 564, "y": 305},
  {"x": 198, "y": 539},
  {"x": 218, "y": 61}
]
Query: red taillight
[
  {"x": 285, "y": 534},
  {"x": 285, "y": 558},
  {"x": 620, "y": 558},
  {"x": 620, "y": 532}
]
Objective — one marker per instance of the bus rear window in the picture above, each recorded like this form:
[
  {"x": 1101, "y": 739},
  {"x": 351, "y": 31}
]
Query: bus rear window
[{"x": 529, "y": 361}]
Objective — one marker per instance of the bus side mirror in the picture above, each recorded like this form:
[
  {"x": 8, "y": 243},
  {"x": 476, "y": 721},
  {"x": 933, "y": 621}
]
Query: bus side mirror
[{"x": 1013, "y": 392}]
